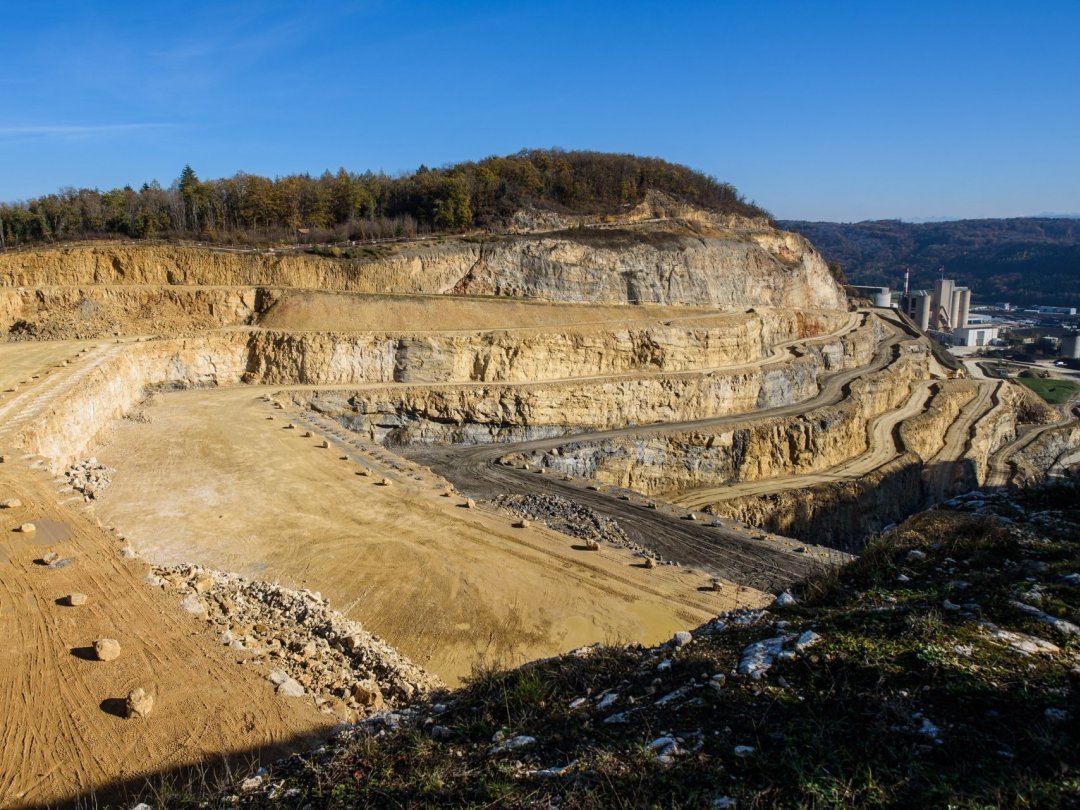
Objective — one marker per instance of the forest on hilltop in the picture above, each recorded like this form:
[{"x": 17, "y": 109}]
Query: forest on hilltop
[
  {"x": 247, "y": 208},
  {"x": 1033, "y": 260}
]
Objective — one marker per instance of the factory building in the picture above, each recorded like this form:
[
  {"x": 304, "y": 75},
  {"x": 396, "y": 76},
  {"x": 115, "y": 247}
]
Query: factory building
[
  {"x": 974, "y": 335},
  {"x": 945, "y": 309},
  {"x": 879, "y": 296}
]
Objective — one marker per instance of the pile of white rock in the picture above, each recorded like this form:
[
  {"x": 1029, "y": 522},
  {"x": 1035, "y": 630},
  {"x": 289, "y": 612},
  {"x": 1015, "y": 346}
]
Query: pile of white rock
[
  {"x": 307, "y": 648},
  {"x": 89, "y": 477}
]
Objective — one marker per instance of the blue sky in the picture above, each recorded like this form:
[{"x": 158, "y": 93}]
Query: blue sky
[{"x": 815, "y": 110}]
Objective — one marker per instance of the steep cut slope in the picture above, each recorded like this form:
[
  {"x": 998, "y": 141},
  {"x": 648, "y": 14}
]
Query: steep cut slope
[{"x": 734, "y": 269}]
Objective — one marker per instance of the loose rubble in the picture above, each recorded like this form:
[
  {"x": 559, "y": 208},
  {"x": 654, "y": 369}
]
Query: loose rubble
[
  {"x": 309, "y": 648},
  {"x": 89, "y": 477},
  {"x": 569, "y": 518}
]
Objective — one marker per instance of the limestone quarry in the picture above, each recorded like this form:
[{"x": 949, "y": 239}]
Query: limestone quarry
[{"x": 296, "y": 490}]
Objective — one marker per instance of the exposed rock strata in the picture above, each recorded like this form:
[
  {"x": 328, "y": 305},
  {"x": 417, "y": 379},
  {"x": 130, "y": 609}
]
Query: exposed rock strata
[
  {"x": 754, "y": 266},
  {"x": 841, "y": 513},
  {"x": 749, "y": 451},
  {"x": 518, "y": 412}
]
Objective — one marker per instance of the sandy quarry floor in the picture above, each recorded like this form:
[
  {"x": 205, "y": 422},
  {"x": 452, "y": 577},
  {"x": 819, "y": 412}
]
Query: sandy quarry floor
[
  {"x": 62, "y": 733},
  {"x": 212, "y": 480}
]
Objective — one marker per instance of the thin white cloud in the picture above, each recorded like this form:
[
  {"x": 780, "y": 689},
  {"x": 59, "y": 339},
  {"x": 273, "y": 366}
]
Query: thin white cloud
[{"x": 76, "y": 130}]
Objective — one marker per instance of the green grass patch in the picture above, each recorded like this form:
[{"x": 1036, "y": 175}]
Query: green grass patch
[{"x": 1056, "y": 392}]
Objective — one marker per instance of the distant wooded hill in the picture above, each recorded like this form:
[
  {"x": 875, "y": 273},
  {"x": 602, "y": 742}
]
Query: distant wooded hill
[
  {"x": 345, "y": 205},
  {"x": 1025, "y": 260}
]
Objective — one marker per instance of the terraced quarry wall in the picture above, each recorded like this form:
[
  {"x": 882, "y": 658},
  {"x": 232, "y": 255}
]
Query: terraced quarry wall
[
  {"x": 842, "y": 513},
  {"x": 277, "y": 358},
  {"x": 478, "y": 413},
  {"x": 530, "y": 355},
  {"x": 752, "y": 267},
  {"x": 756, "y": 449}
]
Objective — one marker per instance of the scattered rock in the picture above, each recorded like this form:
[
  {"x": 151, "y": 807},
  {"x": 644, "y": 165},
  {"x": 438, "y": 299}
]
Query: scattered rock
[
  {"x": 743, "y": 751},
  {"x": 512, "y": 744},
  {"x": 1021, "y": 642},
  {"x": 759, "y": 657},
  {"x": 107, "y": 649},
  {"x": 75, "y": 599},
  {"x": 10, "y": 503},
  {"x": 784, "y": 599},
  {"x": 1061, "y": 625},
  {"x": 138, "y": 703},
  {"x": 27, "y": 528},
  {"x": 50, "y": 558},
  {"x": 806, "y": 641},
  {"x": 682, "y": 638},
  {"x": 606, "y": 701}
]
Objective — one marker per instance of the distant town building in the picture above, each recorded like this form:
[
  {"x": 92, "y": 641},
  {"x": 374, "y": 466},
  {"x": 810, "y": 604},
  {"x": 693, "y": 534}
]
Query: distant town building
[
  {"x": 1053, "y": 310},
  {"x": 1070, "y": 347}
]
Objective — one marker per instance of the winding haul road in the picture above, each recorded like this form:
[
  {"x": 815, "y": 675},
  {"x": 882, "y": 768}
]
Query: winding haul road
[{"x": 724, "y": 550}]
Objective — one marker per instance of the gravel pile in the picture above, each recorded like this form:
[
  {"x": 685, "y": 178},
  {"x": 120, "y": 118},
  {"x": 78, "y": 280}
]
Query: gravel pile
[
  {"x": 309, "y": 648},
  {"x": 89, "y": 477},
  {"x": 567, "y": 517}
]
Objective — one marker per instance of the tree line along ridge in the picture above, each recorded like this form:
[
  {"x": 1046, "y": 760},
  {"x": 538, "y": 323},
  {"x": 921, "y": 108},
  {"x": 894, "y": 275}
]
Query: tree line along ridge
[{"x": 248, "y": 208}]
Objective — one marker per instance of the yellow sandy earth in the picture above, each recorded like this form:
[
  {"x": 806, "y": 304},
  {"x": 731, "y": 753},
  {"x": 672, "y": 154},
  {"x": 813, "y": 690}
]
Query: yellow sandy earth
[{"x": 215, "y": 478}]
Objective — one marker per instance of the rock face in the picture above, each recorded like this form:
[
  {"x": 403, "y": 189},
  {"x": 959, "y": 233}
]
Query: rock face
[
  {"x": 745, "y": 452},
  {"x": 753, "y": 267},
  {"x": 531, "y": 355},
  {"x": 478, "y": 414},
  {"x": 117, "y": 380},
  {"x": 746, "y": 264}
]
